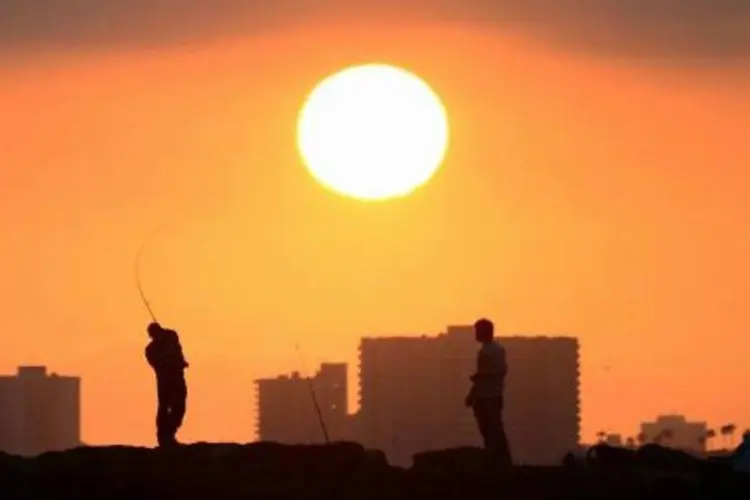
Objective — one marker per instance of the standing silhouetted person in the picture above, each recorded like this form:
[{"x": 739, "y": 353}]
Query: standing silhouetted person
[
  {"x": 164, "y": 354},
  {"x": 486, "y": 394}
]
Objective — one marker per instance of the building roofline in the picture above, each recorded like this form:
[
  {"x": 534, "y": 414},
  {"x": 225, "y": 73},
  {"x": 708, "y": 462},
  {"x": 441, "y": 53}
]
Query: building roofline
[{"x": 528, "y": 337}]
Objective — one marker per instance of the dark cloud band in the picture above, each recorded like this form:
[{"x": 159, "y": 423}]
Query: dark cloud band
[{"x": 706, "y": 28}]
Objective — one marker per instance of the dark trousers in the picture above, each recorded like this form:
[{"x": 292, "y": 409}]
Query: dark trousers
[
  {"x": 172, "y": 394},
  {"x": 489, "y": 416}
]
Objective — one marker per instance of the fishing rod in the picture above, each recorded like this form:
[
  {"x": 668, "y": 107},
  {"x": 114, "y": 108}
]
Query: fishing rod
[
  {"x": 314, "y": 398},
  {"x": 139, "y": 285}
]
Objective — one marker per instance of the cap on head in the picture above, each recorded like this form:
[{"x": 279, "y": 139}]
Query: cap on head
[
  {"x": 484, "y": 329},
  {"x": 154, "y": 329}
]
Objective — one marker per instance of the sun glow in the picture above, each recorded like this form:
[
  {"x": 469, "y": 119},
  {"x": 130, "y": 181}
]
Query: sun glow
[{"x": 372, "y": 132}]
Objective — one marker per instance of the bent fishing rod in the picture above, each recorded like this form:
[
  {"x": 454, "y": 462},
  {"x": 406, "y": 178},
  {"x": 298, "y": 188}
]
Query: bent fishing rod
[
  {"x": 139, "y": 285},
  {"x": 314, "y": 398}
]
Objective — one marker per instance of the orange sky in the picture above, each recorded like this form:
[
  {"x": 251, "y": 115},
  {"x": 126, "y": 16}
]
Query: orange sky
[{"x": 581, "y": 195}]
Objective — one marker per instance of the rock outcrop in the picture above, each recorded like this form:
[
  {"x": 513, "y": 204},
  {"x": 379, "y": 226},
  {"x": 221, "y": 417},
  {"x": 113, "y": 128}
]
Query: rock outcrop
[{"x": 205, "y": 471}]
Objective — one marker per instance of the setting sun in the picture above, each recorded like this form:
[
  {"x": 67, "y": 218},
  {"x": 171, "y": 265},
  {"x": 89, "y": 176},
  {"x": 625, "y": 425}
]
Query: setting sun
[{"x": 372, "y": 132}]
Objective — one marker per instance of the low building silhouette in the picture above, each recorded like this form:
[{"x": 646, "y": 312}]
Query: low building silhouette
[
  {"x": 676, "y": 431},
  {"x": 412, "y": 391},
  {"x": 286, "y": 412},
  {"x": 39, "y": 412}
]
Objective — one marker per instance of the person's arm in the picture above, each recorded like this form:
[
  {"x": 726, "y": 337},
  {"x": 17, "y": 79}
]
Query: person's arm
[
  {"x": 481, "y": 372},
  {"x": 176, "y": 357},
  {"x": 180, "y": 353},
  {"x": 156, "y": 357},
  {"x": 184, "y": 362},
  {"x": 150, "y": 355},
  {"x": 469, "y": 400},
  {"x": 176, "y": 349}
]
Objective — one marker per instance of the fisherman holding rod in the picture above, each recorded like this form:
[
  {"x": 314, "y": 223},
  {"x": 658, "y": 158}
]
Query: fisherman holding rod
[{"x": 164, "y": 354}]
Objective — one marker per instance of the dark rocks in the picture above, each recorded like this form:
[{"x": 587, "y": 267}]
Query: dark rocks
[
  {"x": 650, "y": 456},
  {"x": 604, "y": 454},
  {"x": 205, "y": 471},
  {"x": 456, "y": 460},
  {"x": 348, "y": 471},
  {"x": 659, "y": 457}
]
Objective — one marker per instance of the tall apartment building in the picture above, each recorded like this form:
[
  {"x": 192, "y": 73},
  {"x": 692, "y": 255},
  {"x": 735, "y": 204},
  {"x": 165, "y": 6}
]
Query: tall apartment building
[
  {"x": 412, "y": 391},
  {"x": 677, "y": 432},
  {"x": 39, "y": 412},
  {"x": 286, "y": 411}
]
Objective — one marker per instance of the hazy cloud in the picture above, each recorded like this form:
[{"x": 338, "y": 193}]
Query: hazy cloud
[{"x": 706, "y": 28}]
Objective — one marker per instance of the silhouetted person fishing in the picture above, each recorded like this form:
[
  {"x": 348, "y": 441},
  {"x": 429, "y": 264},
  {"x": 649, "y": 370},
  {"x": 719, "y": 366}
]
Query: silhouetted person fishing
[
  {"x": 164, "y": 354},
  {"x": 486, "y": 394}
]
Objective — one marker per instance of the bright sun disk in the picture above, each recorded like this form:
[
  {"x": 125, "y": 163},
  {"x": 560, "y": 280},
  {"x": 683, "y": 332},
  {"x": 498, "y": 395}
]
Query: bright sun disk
[{"x": 372, "y": 132}]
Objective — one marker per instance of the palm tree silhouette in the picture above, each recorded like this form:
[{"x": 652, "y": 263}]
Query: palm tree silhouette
[
  {"x": 727, "y": 431},
  {"x": 630, "y": 442},
  {"x": 732, "y": 430},
  {"x": 601, "y": 435},
  {"x": 709, "y": 435}
]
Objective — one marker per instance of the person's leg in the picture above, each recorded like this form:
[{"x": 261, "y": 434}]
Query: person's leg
[
  {"x": 490, "y": 412},
  {"x": 491, "y": 417},
  {"x": 167, "y": 430},
  {"x": 488, "y": 418},
  {"x": 162, "y": 416},
  {"x": 179, "y": 407},
  {"x": 502, "y": 446},
  {"x": 480, "y": 415}
]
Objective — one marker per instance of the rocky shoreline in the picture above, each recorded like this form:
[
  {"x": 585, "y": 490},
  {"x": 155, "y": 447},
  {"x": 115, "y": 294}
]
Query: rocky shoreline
[{"x": 347, "y": 471}]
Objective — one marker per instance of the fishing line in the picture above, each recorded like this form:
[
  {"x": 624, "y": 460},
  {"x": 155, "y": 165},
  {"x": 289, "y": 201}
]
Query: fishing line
[{"x": 313, "y": 396}]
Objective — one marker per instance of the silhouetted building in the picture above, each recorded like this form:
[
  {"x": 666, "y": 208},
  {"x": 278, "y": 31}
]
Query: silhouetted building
[
  {"x": 39, "y": 412},
  {"x": 353, "y": 430},
  {"x": 676, "y": 432},
  {"x": 286, "y": 411},
  {"x": 412, "y": 391}
]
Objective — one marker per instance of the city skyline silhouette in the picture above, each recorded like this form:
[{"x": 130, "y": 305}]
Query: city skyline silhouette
[{"x": 290, "y": 411}]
